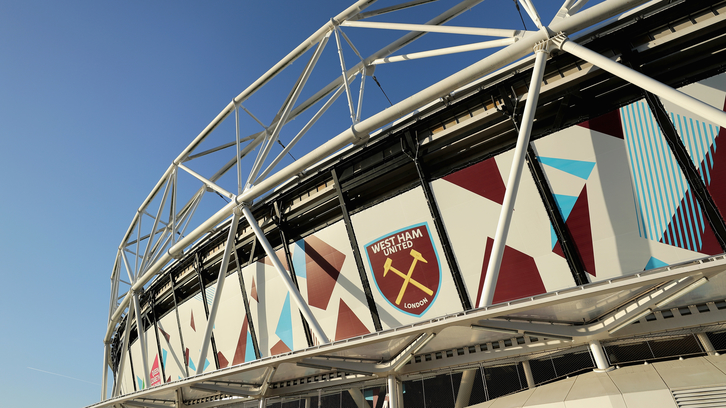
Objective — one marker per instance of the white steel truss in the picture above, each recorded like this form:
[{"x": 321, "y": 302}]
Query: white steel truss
[{"x": 143, "y": 253}]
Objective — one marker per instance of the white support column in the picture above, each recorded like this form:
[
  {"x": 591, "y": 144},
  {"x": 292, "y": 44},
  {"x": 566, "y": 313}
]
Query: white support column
[
  {"x": 505, "y": 217},
  {"x": 294, "y": 293},
  {"x": 528, "y": 373},
  {"x": 393, "y": 392},
  {"x": 599, "y": 356},
  {"x": 124, "y": 351},
  {"x": 649, "y": 84},
  {"x": 142, "y": 339},
  {"x": 706, "y": 343},
  {"x": 358, "y": 397},
  {"x": 263, "y": 403},
  {"x": 104, "y": 381},
  {"x": 231, "y": 237},
  {"x": 465, "y": 386}
]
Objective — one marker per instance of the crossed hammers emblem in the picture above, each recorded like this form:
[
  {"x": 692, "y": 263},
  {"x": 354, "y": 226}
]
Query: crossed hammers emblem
[{"x": 407, "y": 277}]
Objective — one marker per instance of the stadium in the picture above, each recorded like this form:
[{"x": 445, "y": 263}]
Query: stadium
[{"x": 543, "y": 227}]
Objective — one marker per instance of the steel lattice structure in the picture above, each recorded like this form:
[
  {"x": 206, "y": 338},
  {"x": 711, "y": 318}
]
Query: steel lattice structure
[{"x": 164, "y": 229}]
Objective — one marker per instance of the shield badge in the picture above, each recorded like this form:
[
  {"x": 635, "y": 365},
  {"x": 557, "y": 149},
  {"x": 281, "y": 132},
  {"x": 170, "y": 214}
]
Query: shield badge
[{"x": 406, "y": 268}]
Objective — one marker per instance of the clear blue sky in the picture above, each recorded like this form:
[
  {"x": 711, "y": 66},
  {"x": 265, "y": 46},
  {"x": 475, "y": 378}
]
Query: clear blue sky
[{"x": 96, "y": 99}]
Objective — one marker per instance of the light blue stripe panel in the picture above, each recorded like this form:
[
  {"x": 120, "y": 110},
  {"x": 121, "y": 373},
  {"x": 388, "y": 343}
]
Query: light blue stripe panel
[
  {"x": 662, "y": 179},
  {"x": 704, "y": 147},
  {"x": 635, "y": 166},
  {"x": 708, "y": 129},
  {"x": 670, "y": 178},
  {"x": 681, "y": 191},
  {"x": 687, "y": 220},
  {"x": 625, "y": 114},
  {"x": 691, "y": 224},
  {"x": 650, "y": 158},
  {"x": 673, "y": 179},
  {"x": 640, "y": 158},
  {"x": 699, "y": 233},
  {"x": 697, "y": 151},
  {"x": 627, "y": 138}
]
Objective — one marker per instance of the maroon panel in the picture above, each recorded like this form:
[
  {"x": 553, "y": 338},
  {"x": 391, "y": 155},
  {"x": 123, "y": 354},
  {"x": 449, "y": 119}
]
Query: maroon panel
[
  {"x": 239, "y": 352},
  {"x": 192, "y": 322},
  {"x": 608, "y": 124},
  {"x": 717, "y": 188},
  {"x": 253, "y": 292},
  {"x": 679, "y": 222},
  {"x": 348, "y": 323},
  {"x": 518, "y": 275},
  {"x": 710, "y": 243},
  {"x": 165, "y": 334},
  {"x": 482, "y": 178},
  {"x": 279, "y": 348},
  {"x": 186, "y": 357},
  {"x": 222, "y": 361},
  {"x": 579, "y": 225},
  {"x": 280, "y": 253},
  {"x": 322, "y": 264},
  {"x": 558, "y": 249}
]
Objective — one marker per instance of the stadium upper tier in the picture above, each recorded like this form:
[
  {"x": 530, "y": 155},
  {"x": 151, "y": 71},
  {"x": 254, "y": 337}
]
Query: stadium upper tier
[{"x": 561, "y": 196}]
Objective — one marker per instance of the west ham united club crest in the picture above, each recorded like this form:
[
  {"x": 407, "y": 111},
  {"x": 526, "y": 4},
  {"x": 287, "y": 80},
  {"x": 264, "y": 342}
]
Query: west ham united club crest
[{"x": 406, "y": 268}]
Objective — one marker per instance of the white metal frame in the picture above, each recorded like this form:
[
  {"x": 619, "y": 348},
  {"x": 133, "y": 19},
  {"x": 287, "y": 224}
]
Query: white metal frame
[{"x": 167, "y": 238}]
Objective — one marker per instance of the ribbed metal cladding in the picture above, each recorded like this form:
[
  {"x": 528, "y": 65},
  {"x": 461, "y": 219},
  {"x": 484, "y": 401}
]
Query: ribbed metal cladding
[{"x": 700, "y": 397}]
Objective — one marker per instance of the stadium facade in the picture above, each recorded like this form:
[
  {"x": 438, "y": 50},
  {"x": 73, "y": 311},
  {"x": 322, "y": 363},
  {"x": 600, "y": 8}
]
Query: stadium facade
[{"x": 532, "y": 230}]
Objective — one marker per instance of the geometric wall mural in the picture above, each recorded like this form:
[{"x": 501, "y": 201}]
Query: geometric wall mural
[{"x": 667, "y": 210}]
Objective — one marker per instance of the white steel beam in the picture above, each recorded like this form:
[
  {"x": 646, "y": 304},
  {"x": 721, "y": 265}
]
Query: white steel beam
[
  {"x": 221, "y": 277},
  {"x": 206, "y": 182},
  {"x": 487, "y": 32},
  {"x": 510, "y": 195},
  {"x": 289, "y": 285},
  {"x": 532, "y": 12},
  {"x": 344, "y": 74},
  {"x": 686, "y": 102},
  {"x": 446, "y": 51},
  {"x": 385, "y": 10}
]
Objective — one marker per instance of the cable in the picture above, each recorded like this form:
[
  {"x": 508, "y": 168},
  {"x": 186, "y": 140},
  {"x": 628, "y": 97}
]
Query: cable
[
  {"x": 384, "y": 92},
  {"x": 516, "y": 4},
  {"x": 283, "y": 146}
]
